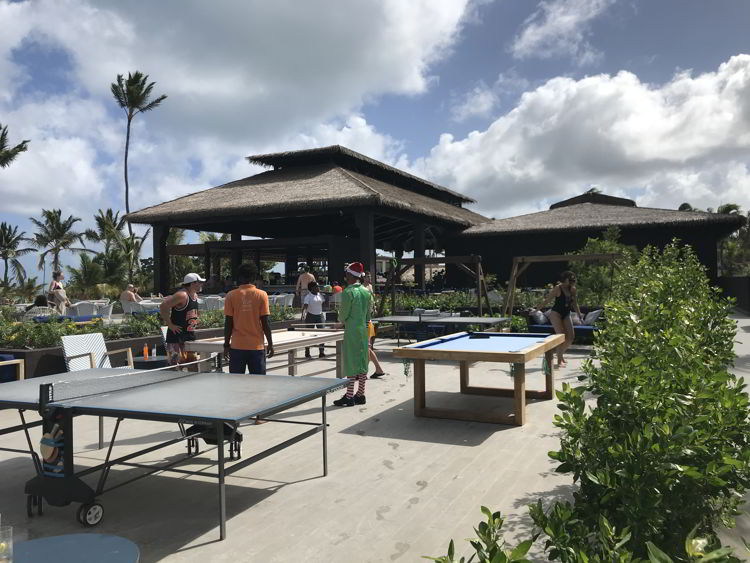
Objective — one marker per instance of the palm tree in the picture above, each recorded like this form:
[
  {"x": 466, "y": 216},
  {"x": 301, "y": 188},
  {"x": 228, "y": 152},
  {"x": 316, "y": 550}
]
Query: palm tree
[
  {"x": 10, "y": 240},
  {"x": 685, "y": 207},
  {"x": 114, "y": 266},
  {"x": 131, "y": 247},
  {"x": 87, "y": 276},
  {"x": 8, "y": 154},
  {"x": 109, "y": 226},
  {"x": 29, "y": 289},
  {"x": 56, "y": 235},
  {"x": 133, "y": 96}
]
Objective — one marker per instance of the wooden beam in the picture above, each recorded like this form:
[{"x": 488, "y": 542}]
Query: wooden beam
[
  {"x": 443, "y": 260},
  {"x": 568, "y": 258}
]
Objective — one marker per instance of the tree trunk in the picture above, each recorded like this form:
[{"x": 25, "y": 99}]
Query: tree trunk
[
  {"x": 5, "y": 277},
  {"x": 127, "y": 189}
]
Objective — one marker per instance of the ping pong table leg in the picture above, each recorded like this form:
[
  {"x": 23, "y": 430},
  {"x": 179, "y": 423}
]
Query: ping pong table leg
[
  {"x": 293, "y": 362},
  {"x": 222, "y": 492},
  {"x": 325, "y": 439},
  {"x": 101, "y": 432}
]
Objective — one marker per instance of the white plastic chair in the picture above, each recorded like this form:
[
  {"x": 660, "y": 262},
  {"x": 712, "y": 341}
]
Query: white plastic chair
[
  {"x": 105, "y": 310},
  {"x": 288, "y": 299},
  {"x": 85, "y": 308}
]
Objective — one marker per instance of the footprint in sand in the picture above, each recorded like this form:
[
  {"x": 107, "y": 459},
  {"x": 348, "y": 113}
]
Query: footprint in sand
[
  {"x": 388, "y": 463},
  {"x": 394, "y": 445},
  {"x": 413, "y": 501},
  {"x": 401, "y": 548},
  {"x": 422, "y": 485},
  {"x": 382, "y": 510}
]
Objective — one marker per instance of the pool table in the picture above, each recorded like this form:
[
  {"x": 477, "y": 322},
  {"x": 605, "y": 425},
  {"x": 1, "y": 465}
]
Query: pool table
[{"x": 468, "y": 347}]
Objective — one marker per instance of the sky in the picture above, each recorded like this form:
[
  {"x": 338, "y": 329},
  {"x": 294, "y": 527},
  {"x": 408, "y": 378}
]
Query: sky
[{"x": 515, "y": 103}]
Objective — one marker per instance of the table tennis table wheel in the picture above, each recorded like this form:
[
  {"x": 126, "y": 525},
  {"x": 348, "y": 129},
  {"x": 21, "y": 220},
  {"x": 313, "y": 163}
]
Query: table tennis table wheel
[
  {"x": 90, "y": 514},
  {"x": 31, "y": 502}
]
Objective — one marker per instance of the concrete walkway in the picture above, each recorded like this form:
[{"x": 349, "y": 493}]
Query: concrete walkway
[{"x": 398, "y": 487}]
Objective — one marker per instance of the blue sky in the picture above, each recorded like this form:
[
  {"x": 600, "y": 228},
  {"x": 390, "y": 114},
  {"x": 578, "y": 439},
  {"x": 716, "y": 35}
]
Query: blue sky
[{"x": 516, "y": 103}]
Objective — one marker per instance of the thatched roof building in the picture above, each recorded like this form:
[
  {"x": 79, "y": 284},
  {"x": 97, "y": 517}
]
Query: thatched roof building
[
  {"x": 567, "y": 225},
  {"x": 358, "y": 203}
]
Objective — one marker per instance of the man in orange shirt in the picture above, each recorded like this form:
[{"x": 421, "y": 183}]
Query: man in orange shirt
[{"x": 246, "y": 321}]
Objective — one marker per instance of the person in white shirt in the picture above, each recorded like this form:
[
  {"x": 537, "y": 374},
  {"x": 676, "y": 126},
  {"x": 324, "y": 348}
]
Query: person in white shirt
[{"x": 312, "y": 313}]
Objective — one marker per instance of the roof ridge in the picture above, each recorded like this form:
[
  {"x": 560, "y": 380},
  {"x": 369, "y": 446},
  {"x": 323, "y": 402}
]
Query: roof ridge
[{"x": 360, "y": 181}]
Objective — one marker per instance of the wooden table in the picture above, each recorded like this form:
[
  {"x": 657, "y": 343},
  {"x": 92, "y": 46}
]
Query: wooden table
[{"x": 464, "y": 347}]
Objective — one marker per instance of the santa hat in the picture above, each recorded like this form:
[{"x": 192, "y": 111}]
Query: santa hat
[{"x": 355, "y": 269}]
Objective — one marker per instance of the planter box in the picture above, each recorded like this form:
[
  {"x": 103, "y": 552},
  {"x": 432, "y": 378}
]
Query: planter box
[{"x": 48, "y": 361}]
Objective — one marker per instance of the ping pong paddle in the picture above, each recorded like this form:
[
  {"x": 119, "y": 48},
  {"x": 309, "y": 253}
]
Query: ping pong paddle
[{"x": 48, "y": 451}]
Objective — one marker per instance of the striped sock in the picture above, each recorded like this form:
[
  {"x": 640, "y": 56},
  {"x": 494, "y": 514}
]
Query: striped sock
[
  {"x": 350, "y": 387},
  {"x": 361, "y": 378}
]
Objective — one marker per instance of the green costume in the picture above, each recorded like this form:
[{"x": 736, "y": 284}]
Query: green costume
[{"x": 356, "y": 305}]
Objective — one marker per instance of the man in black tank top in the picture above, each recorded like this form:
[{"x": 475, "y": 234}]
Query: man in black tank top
[{"x": 180, "y": 313}]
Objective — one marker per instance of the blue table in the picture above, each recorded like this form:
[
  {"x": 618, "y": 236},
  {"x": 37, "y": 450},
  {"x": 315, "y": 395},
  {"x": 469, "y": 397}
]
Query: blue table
[
  {"x": 467, "y": 347},
  {"x": 77, "y": 548}
]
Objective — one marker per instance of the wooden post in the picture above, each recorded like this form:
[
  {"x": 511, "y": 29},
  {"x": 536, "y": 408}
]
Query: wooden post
[
  {"x": 419, "y": 274},
  {"x": 478, "y": 269},
  {"x": 511, "y": 289},
  {"x": 236, "y": 256},
  {"x": 366, "y": 224},
  {"x": 161, "y": 259}
]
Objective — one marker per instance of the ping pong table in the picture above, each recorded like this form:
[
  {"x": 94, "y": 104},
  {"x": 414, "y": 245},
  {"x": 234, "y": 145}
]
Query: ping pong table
[
  {"x": 218, "y": 403},
  {"x": 447, "y": 320}
]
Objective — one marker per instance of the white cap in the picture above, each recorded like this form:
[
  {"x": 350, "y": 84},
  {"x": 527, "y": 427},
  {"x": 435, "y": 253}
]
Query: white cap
[{"x": 192, "y": 277}]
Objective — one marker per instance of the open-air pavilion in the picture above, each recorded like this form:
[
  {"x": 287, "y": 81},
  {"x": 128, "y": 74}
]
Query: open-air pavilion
[{"x": 329, "y": 205}]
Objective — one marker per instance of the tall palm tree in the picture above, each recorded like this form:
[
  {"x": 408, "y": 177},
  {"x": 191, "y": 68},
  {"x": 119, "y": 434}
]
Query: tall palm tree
[
  {"x": 109, "y": 227},
  {"x": 87, "y": 276},
  {"x": 56, "y": 235},
  {"x": 10, "y": 240},
  {"x": 133, "y": 96},
  {"x": 8, "y": 154},
  {"x": 29, "y": 289}
]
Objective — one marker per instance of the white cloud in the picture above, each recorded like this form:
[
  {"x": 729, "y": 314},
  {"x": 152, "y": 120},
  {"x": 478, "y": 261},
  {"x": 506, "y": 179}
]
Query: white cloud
[
  {"x": 479, "y": 102},
  {"x": 686, "y": 140},
  {"x": 559, "y": 28},
  {"x": 242, "y": 77},
  {"x": 483, "y": 100}
]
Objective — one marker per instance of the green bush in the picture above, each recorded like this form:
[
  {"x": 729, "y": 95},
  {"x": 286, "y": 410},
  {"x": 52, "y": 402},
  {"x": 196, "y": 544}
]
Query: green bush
[{"x": 664, "y": 452}]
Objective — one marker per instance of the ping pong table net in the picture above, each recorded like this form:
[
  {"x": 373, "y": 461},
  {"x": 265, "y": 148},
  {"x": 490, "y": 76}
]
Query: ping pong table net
[{"x": 62, "y": 391}]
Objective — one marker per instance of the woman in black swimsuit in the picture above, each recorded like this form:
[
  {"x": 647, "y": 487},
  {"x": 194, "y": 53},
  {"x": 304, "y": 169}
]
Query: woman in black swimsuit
[{"x": 564, "y": 294}]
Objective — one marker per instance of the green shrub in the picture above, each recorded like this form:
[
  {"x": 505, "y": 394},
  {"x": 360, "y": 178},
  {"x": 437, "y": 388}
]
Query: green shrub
[
  {"x": 595, "y": 279},
  {"x": 665, "y": 450}
]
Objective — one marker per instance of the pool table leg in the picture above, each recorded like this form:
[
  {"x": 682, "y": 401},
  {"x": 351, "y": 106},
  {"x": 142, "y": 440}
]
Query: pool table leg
[
  {"x": 419, "y": 390},
  {"x": 549, "y": 376},
  {"x": 463, "y": 367},
  {"x": 519, "y": 385}
]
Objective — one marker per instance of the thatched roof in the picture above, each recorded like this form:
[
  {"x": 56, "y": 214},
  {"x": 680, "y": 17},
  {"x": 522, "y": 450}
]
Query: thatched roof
[
  {"x": 356, "y": 162},
  {"x": 589, "y": 216},
  {"x": 319, "y": 187}
]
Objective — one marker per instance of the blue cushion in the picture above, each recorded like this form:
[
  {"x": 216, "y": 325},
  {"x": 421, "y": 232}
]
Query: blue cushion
[{"x": 7, "y": 373}]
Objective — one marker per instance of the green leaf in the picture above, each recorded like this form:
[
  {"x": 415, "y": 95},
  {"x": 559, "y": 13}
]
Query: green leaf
[
  {"x": 656, "y": 555},
  {"x": 520, "y": 550}
]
